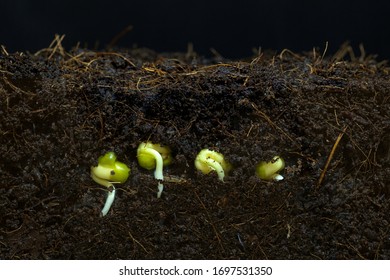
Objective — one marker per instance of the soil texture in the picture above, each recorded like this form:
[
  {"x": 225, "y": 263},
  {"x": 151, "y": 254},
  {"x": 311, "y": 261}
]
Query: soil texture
[{"x": 328, "y": 116}]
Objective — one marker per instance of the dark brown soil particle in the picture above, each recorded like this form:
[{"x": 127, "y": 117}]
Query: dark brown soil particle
[{"x": 328, "y": 117}]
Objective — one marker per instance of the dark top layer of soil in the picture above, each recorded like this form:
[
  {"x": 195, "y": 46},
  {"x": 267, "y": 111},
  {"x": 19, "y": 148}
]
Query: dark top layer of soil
[{"x": 59, "y": 111}]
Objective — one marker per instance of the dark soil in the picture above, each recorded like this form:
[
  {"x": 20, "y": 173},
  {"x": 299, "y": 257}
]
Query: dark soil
[{"x": 60, "y": 111}]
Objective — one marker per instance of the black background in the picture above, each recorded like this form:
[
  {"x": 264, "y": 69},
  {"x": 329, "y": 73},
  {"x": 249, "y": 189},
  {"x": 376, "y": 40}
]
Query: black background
[{"x": 233, "y": 28}]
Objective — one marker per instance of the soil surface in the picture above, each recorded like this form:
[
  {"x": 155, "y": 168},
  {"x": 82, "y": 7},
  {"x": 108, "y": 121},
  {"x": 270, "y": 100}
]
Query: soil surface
[{"x": 327, "y": 116}]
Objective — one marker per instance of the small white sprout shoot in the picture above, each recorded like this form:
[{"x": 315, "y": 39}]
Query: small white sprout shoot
[
  {"x": 108, "y": 172},
  {"x": 207, "y": 161},
  {"x": 269, "y": 170},
  {"x": 154, "y": 156}
]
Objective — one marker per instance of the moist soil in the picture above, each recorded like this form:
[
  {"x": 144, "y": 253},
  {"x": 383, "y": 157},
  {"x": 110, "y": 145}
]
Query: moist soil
[{"x": 328, "y": 116}]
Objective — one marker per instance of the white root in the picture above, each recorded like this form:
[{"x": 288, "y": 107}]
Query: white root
[{"x": 109, "y": 201}]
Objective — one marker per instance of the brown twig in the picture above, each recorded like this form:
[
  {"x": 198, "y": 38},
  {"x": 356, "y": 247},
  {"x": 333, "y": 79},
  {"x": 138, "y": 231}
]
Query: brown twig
[
  {"x": 139, "y": 243},
  {"x": 271, "y": 123},
  {"x": 119, "y": 36},
  {"x": 336, "y": 143}
]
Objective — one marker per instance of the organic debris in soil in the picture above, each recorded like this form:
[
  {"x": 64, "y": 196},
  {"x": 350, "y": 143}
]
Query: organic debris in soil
[{"x": 327, "y": 116}]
